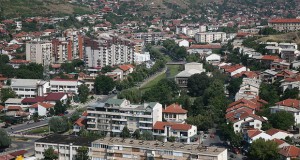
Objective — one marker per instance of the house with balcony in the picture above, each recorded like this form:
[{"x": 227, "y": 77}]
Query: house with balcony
[
  {"x": 113, "y": 115},
  {"x": 65, "y": 85},
  {"x": 175, "y": 113},
  {"x": 289, "y": 105},
  {"x": 182, "y": 132}
]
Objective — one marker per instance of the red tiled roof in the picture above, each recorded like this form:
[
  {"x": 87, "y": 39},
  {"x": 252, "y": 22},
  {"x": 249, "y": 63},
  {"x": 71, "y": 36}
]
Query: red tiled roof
[
  {"x": 6, "y": 157},
  {"x": 14, "y": 108},
  {"x": 239, "y": 110},
  {"x": 175, "y": 126},
  {"x": 248, "y": 74},
  {"x": 253, "y": 132},
  {"x": 244, "y": 115},
  {"x": 295, "y": 78},
  {"x": 292, "y": 20},
  {"x": 125, "y": 67},
  {"x": 205, "y": 46},
  {"x": 1, "y": 108},
  {"x": 294, "y": 103},
  {"x": 80, "y": 122},
  {"x": 278, "y": 141},
  {"x": 254, "y": 104},
  {"x": 232, "y": 68},
  {"x": 45, "y": 105},
  {"x": 54, "y": 96},
  {"x": 269, "y": 57},
  {"x": 273, "y": 131},
  {"x": 174, "y": 108},
  {"x": 290, "y": 151},
  {"x": 85, "y": 113},
  {"x": 33, "y": 100},
  {"x": 18, "y": 61}
]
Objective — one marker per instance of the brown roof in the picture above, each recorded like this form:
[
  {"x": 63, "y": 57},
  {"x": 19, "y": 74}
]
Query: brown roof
[
  {"x": 205, "y": 46},
  {"x": 278, "y": 141},
  {"x": 269, "y": 57},
  {"x": 248, "y": 74},
  {"x": 14, "y": 108},
  {"x": 1, "y": 108},
  {"x": 18, "y": 153},
  {"x": 253, "y": 132},
  {"x": 175, "y": 126},
  {"x": 290, "y": 151},
  {"x": 244, "y": 115},
  {"x": 125, "y": 67},
  {"x": 273, "y": 131},
  {"x": 294, "y": 103},
  {"x": 80, "y": 122},
  {"x": 45, "y": 105},
  {"x": 55, "y": 96},
  {"x": 174, "y": 108}
]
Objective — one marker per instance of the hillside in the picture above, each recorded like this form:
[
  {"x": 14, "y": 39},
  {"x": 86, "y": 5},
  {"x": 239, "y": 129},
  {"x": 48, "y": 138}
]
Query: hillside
[
  {"x": 27, "y": 8},
  {"x": 286, "y": 37}
]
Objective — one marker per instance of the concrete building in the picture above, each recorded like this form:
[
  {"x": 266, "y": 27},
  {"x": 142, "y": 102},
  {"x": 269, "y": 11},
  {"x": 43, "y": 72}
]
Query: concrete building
[
  {"x": 126, "y": 149},
  {"x": 285, "y": 24},
  {"x": 42, "y": 109},
  {"x": 39, "y": 52},
  {"x": 150, "y": 37},
  {"x": 249, "y": 89},
  {"x": 209, "y": 37},
  {"x": 108, "y": 50},
  {"x": 113, "y": 115},
  {"x": 64, "y": 146},
  {"x": 64, "y": 85},
  {"x": 29, "y": 87},
  {"x": 189, "y": 70}
]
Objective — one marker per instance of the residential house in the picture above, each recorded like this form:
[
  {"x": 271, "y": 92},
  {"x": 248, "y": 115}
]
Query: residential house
[
  {"x": 52, "y": 98},
  {"x": 288, "y": 105},
  {"x": 280, "y": 143},
  {"x": 289, "y": 55},
  {"x": 268, "y": 76},
  {"x": 249, "y": 89},
  {"x": 41, "y": 108},
  {"x": 175, "y": 113},
  {"x": 289, "y": 152},
  {"x": 189, "y": 69},
  {"x": 182, "y": 132},
  {"x": 279, "y": 65},
  {"x": 254, "y": 134},
  {"x": 209, "y": 37},
  {"x": 233, "y": 69},
  {"x": 278, "y": 134},
  {"x": 247, "y": 74},
  {"x": 127, "y": 69},
  {"x": 291, "y": 82},
  {"x": 183, "y": 43},
  {"x": 213, "y": 59},
  {"x": 79, "y": 124}
]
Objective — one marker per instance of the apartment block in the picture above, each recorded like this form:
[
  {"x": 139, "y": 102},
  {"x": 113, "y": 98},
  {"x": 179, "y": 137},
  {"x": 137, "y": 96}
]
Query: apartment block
[
  {"x": 113, "y": 115},
  {"x": 108, "y": 50},
  {"x": 285, "y": 24},
  {"x": 75, "y": 44},
  {"x": 39, "y": 52},
  {"x": 128, "y": 149},
  {"x": 209, "y": 37},
  {"x": 150, "y": 37}
]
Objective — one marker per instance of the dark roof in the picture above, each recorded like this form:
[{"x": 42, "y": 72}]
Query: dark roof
[
  {"x": 33, "y": 100},
  {"x": 54, "y": 96},
  {"x": 18, "y": 153},
  {"x": 65, "y": 139}
]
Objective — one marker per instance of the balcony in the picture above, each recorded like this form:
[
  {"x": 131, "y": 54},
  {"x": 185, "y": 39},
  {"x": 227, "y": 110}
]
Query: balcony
[
  {"x": 148, "y": 122},
  {"x": 143, "y": 127}
]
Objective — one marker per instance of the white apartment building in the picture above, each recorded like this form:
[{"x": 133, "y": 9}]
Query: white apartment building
[
  {"x": 64, "y": 85},
  {"x": 209, "y": 37},
  {"x": 39, "y": 52},
  {"x": 115, "y": 114},
  {"x": 29, "y": 87},
  {"x": 108, "y": 50},
  {"x": 64, "y": 146},
  {"x": 126, "y": 149},
  {"x": 150, "y": 37}
]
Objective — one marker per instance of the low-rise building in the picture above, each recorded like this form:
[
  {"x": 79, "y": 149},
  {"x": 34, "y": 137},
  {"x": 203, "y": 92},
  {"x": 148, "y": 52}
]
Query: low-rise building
[
  {"x": 189, "y": 69},
  {"x": 64, "y": 85},
  {"x": 285, "y": 24},
  {"x": 42, "y": 109},
  {"x": 175, "y": 113},
  {"x": 29, "y": 87},
  {"x": 249, "y": 89},
  {"x": 209, "y": 37},
  {"x": 288, "y": 105}
]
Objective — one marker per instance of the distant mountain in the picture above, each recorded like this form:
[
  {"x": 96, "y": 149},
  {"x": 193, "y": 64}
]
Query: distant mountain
[{"x": 27, "y": 8}]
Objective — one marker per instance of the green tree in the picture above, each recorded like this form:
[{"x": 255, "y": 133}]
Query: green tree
[
  {"x": 82, "y": 153},
  {"x": 136, "y": 134},
  {"x": 197, "y": 84},
  {"x": 106, "y": 69},
  {"x": 290, "y": 93},
  {"x": 227, "y": 134},
  {"x": 68, "y": 67},
  {"x": 83, "y": 93},
  {"x": 4, "y": 58},
  {"x": 268, "y": 93},
  {"x": 125, "y": 133},
  {"x": 59, "y": 108},
  {"x": 267, "y": 31},
  {"x": 7, "y": 93},
  {"x": 75, "y": 115},
  {"x": 49, "y": 154},
  {"x": 58, "y": 124},
  {"x": 282, "y": 120},
  {"x": 133, "y": 95},
  {"x": 234, "y": 86},
  {"x": 201, "y": 121},
  {"x": 103, "y": 84},
  {"x": 5, "y": 140},
  {"x": 263, "y": 150},
  {"x": 77, "y": 63},
  {"x": 147, "y": 135}
]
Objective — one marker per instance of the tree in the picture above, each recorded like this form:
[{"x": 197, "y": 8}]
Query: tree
[
  {"x": 82, "y": 153},
  {"x": 125, "y": 132},
  {"x": 234, "y": 86},
  {"x": 75, "y": 115},
  {"x": 106, "y": 69},
  {"x": 263, "y": 150},
  {"x": 83, "y": 93},
  {"x": 51, "y": 112},
  {"x": 103, "y": 84},
  {"x": 197, "y": 83},
  {"x": 5, "y": 140},
  {"x": 59, "y": 108},
  {"x": 7, "y": 93},
  {"x": 136, "y": 134},
  {"x": 268, "y": 93},
  {"x": 68, "y": 67},
  {"x": 49, "y": 154},
  {"x": 201, "y": 121},
  {"x": 267, "y": 31},
  {"x": 133, "y": 95},
  {"x": 58, "y": 124},
  {"x": 282, "y": 120},
  {"x": 290, "y": 93},
  {"x": 228, "y": 134},
  {"x": 4, "y": 58},
  {"x": 147, "y": 135}
]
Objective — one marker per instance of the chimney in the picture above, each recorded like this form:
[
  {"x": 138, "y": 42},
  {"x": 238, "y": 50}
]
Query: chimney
[{"x": 165, "y": 106}]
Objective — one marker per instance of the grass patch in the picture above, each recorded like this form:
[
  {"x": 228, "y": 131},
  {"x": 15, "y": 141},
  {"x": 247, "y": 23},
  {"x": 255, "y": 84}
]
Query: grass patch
[
  {"x": 153, "y": 82},
  {"x": 40, "y": 130},
  {"x": 173, "y": 69}
]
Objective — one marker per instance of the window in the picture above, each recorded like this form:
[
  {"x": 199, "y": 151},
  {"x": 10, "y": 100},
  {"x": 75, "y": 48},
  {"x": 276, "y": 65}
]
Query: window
[{"x": 236, "y": 125}]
